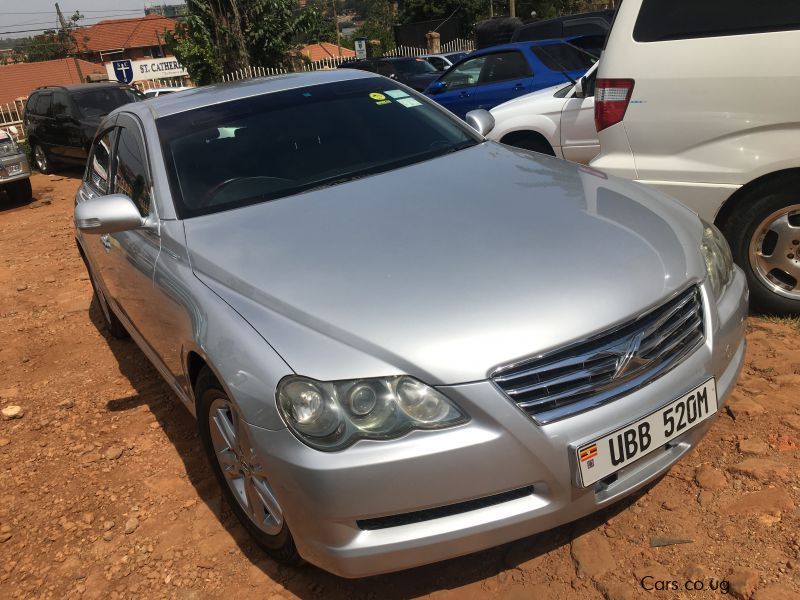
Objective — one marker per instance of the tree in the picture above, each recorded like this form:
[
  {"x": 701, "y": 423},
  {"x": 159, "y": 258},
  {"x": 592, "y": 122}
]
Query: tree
[
  {"x": 223, "y": 36},
  {"x": 378, "y": 21},
  {"x": 466, "y": 12}
]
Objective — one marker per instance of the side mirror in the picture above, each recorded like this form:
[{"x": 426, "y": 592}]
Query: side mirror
[
  {"x": 480, "y": 120},
  {"x": 580, "y": 88},
  {"x": 437, "y": 87},
  {"x": 108, "y": 214}
]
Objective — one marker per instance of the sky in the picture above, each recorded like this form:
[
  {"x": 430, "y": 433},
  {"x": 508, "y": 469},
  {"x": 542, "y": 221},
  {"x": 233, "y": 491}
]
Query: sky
[{"x": 20, "y": 15}]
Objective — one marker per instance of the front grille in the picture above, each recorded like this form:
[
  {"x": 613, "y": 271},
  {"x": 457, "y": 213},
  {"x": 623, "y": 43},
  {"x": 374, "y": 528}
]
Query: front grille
[
  {"x": 590, "y": 373},
  {"x": 438, "y": 512}
]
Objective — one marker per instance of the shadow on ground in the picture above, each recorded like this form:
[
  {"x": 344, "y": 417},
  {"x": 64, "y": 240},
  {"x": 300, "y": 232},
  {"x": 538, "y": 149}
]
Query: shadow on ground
[{"x": 309, "y": 581}]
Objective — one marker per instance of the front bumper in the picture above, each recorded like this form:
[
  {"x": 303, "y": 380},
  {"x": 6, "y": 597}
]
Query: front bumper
[
  {"x": 6, "y": 162},
  {"x": 327, "y": 496}
]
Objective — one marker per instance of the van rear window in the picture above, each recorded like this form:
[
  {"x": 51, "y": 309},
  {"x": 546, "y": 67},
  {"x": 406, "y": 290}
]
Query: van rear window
[{"x": 661, "y": 20}]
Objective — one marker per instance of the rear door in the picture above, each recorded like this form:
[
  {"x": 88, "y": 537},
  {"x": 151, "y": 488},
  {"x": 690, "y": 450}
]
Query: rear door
[
  {"x": 65, "y": 128},
  {"x": 505, "y": 75}
]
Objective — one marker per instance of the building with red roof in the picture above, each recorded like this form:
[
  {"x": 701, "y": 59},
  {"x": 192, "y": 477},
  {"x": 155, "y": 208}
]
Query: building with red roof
[
  {"x": 20, "y": 79},
  {"x": 134, "y": 39},
  {"x": 315, "y": 52}
]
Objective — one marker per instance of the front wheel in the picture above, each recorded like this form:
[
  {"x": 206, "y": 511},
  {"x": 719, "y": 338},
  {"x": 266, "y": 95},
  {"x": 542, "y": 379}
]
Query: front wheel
[
  {"x": 764, "y": 235},
  {"x": 41, "y": 159},
  {"x": 241, "y": 473}
]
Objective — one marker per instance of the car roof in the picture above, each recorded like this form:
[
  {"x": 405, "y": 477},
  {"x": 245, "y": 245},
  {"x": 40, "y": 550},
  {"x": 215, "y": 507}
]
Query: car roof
[
  {"x": 80, "y": 86},
  {"x": 208, "y": 95},
  {"x": 518, "y": 45}
]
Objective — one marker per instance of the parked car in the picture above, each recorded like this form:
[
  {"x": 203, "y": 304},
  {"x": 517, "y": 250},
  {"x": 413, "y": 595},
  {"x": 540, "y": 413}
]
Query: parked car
[
  {"x": 442, "y": 62},
  {"x": 592, "y": 25},
  {"x": 413, "y": 71},
  {"x": 558, "y": 121},
  {"x": 156, "y": 92},
  {"x": 14, "y": 170},
  {"x": 368, "y": 331},
  {"x": 495, "y": 75},
  {"x": 698, "y": 100},
  {"x": 60, "y": 121}
]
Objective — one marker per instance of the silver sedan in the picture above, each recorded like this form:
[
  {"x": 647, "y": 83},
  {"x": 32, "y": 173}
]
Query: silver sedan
[{"x": 402, "y": 342}]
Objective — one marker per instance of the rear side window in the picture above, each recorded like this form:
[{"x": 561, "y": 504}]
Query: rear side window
[
  {"x": 42, "y": 104},
  {"x": 60, "y": 105},
  {"x": 661, "y": 20},
  {"x": 503, "y": 66},
  {"x": 560, "y": 57}
]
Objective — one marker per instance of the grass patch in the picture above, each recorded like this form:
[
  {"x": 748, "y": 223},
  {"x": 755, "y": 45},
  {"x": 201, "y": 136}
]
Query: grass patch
[{"x": 793, "y": 322}]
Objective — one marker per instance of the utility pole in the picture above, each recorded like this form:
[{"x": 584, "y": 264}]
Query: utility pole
[
  {"x": 512, "y": 8},
  {"x": 336, "y": 23},
  {"x": 66, "y": 33},
  {"x": 491, "y": 9}
]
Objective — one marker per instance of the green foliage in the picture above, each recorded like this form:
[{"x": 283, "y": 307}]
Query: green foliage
[
  {"x": 465, "y": 12},
  {"x": 378, "y": 21},
  {"x": 222, "y": 36}
]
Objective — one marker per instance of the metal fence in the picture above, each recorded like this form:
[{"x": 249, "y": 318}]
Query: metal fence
[{"x": 11, "y": 118}]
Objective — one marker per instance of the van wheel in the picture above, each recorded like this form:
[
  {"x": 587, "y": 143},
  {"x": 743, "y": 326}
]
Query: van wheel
[
  {"x": 765, "y": 241},
  {"x": 41, "y": 160},
  {"x": 240, "y": 471}
]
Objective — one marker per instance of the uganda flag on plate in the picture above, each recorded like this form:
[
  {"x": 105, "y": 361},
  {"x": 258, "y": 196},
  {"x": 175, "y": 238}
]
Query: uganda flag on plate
[{"x": 588, "y": 452}]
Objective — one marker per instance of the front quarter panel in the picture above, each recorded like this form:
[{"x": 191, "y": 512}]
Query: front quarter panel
[{"x": 195, "y": 319}]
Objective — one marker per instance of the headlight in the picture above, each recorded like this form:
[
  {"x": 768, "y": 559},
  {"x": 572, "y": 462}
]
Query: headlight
[
  {"x": 7, "y": 147},
  {"x": 331, "y": 415},
  {"x": 718, "y": 259}
]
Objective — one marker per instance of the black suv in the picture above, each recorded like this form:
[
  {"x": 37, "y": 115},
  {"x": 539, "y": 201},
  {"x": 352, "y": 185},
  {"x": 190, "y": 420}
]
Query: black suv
[
  {"x": 416, "y": 73},
  {"x": 60, "y": 121}
]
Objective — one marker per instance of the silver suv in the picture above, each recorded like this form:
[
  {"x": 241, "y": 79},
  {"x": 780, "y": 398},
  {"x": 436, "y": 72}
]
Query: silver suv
[
  {"x": 403, "y": 342},
  {"x": 14, "y": 169}
]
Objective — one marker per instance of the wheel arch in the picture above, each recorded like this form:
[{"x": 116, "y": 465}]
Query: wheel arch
[{"x": 734, "y": 201}]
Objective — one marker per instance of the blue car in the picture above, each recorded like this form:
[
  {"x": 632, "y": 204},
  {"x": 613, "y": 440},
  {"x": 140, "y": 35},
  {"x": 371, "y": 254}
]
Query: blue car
[{"x": 488, "y": 77}]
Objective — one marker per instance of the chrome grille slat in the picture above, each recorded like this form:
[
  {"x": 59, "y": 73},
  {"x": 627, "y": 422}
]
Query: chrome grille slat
[{"x": 586, "y": 374}]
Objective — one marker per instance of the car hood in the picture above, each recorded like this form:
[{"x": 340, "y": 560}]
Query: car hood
[
  {"x": 447, "y": 268},
  {"x": 545, "y": 95}
]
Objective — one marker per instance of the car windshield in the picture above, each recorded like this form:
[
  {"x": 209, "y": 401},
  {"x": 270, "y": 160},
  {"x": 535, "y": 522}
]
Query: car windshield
[
  {"x": 274, "y": 145},
  {"x": 101, "y": 101},
  {"x": 414, "y": 66}
]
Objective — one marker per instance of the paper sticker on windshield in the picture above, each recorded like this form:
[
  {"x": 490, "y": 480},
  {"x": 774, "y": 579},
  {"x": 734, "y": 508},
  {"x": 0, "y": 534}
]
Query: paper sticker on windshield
[
  {"x": 377, "y": 96},
  {"x": 396, "y": 94},
  {"x": 409, "y": 102}
]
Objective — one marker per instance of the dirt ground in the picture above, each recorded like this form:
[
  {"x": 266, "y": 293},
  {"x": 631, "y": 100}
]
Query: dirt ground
[{"x": 104, "y": 491}]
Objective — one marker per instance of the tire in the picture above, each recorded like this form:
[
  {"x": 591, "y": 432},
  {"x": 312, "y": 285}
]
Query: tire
[
  {"x": 764, "y": 235},
  {"x": 115, "y": 327},
  {"x": 20, "y": 191},
  {"x": 41, "y": 159},
  {"x": 242, "y": 466},
  {"x": 529, "y": 141}
]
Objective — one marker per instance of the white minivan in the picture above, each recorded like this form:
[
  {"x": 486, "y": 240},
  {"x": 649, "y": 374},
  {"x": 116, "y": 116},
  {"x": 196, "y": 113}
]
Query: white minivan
[{"x": 702, "y": 101}]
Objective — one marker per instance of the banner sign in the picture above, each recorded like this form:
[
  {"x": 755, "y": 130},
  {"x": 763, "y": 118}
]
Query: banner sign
[{"x": 126, "y": 71}]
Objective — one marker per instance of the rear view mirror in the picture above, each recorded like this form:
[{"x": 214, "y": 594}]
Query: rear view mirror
[
  {"x": 480, "y": 120},
  {"x": 108, "y": 214}
]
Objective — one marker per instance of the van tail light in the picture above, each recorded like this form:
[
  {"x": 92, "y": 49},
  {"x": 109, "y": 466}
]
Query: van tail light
[{"x": 611, "y": 99}]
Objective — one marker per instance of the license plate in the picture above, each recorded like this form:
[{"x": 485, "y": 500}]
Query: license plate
[
  {"x": 11, "y": 169},
  {"x": 608, "y": 454}
]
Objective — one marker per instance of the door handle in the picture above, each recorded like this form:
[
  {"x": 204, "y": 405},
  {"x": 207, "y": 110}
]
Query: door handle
[
  {"x": 518, "y": 87},
  {"x": 464, "y": 95},
  {"x": 106, "y": 241}
]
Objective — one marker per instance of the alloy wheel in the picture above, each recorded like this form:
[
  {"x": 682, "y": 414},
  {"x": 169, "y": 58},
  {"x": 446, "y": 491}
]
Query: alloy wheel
[
  {"x": 774, "y": 250},
  {"x": 40, "y": 157},
  {"x": 242, "y": 470}
]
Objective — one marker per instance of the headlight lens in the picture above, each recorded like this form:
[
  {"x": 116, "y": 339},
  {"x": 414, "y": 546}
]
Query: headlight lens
[
  {"x": 718, "y": 259},
  {"x": 331, "y": 415}
]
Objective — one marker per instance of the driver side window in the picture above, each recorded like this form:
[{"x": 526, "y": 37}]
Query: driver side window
[
  {"x": 131, "y": 176},
  {"x": 99, "y": 172},
  {"x": 465, "y": 75}
]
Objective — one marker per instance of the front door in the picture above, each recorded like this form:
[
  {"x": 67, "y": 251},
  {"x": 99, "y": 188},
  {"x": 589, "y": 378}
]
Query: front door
[{"x": 460, "y": 83}]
